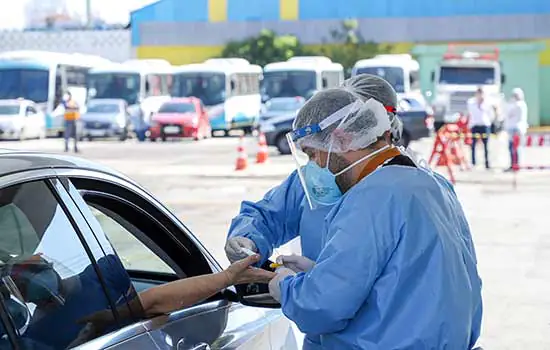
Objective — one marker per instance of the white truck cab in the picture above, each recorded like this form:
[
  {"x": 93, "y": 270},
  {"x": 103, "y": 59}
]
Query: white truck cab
[{"x": 457, "y": 77}]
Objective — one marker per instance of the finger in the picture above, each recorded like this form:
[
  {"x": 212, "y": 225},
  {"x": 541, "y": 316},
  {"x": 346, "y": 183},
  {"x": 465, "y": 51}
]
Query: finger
[{"x": 248, "y": 261}]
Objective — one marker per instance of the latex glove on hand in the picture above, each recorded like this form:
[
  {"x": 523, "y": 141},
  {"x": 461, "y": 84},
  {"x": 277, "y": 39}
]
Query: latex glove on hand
[
  {"x": 296, "y": 263},
  {"x": 274, "y": 287},
  {"x": 234, "y": 248}
]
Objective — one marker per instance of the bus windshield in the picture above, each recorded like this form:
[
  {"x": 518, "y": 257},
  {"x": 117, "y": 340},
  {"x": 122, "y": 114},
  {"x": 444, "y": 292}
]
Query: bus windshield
[
  {"x": 288, "y": 84},
  {"x": 467, "y": 75},
  {"x": 393, "y": 75},
  {"x": 124, "y": 86},
  {"x": 210, "y": 88},
  {"x": 30, "y": 84}
]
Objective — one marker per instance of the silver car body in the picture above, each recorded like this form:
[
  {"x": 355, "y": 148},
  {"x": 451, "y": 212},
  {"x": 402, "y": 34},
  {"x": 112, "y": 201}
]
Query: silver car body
[{"x": 220, "y": 322}]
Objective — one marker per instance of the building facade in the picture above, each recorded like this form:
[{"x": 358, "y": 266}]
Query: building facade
[{"x": 185, "y": 31}]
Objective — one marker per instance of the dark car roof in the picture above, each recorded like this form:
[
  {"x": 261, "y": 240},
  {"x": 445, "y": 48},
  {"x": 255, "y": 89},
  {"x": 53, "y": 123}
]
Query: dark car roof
[{"x": 14, "y": 161}]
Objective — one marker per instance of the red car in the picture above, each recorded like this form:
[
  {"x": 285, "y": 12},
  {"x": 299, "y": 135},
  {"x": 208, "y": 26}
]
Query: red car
[{"x": 180, "y": 117}]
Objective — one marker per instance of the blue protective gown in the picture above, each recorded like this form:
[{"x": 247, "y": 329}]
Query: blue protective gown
[
  {"x": 397, "y": 269},
  {"x": 279, "y": 217}
]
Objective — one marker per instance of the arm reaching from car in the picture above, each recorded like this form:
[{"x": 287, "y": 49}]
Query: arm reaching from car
[{"x": 186, "y": 292}]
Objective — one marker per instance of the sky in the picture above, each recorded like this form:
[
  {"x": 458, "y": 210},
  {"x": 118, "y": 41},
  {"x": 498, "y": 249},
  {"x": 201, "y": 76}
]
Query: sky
[{"x": 12, "y": 13}]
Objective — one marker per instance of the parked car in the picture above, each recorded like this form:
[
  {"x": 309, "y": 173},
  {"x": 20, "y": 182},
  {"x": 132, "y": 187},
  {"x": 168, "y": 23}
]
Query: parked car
[
  {"x": 106, "y": 118},
  {"x": 417, "y": 120},
  {"x": 275, "y": 130},
  {"x": 417, "y": 123},
  {"x": 79, "y": 239},
  {"x": 180, "y": 117},
  {"x": 21, "y": 119},
  {"x": 281, "y": 106}
]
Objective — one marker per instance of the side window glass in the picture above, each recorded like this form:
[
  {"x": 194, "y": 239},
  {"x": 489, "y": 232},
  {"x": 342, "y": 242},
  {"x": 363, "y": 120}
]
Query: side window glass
[
  {"x": 48, "y": 280},
  {"x": 132, "y": 252}
]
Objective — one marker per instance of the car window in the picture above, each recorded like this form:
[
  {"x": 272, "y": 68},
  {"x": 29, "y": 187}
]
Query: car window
[
  {"x": 51, "y": 282},
  {"x": 104, "y": 108},
  {"x": 134, "y": 254},
  {"x": 172, "y": 107}
]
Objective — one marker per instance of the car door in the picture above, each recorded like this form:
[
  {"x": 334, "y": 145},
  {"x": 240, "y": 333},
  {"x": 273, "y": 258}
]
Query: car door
[
  {"x": 156, "y": 248},
  {"x": 51, "y": 268}
]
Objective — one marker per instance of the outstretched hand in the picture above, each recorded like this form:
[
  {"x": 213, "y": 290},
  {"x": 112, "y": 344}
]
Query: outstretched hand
[{"x": 242, "y": 272}]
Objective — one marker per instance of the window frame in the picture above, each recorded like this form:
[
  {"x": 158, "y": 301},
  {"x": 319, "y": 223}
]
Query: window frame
[
  {"x": 93, "y": 199},
  {"x": 52, "y": 182},
  {"x": 182, "y": 247}
]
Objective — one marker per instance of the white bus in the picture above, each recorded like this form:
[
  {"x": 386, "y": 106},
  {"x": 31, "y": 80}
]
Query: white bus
[
  {"x": 229, "y": 88},
  {"x": 300, "y": 76},
  {"x": 138, "y": 82},
  {"x": 400, "y": 70},
  {"x": 42, "y": 77}
]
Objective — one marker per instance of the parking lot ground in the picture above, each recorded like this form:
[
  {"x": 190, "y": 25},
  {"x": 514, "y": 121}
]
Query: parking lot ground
[{"x": 510, "y": 225}]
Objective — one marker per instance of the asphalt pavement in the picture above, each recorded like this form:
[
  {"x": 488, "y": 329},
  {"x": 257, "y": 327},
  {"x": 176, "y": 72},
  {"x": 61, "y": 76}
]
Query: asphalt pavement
[{"x": 198, "y": 182}]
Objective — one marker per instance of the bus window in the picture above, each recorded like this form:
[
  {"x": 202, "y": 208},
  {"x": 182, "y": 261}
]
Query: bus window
[
  {"x": 210, "y": 88},
  {"x": 332, "y": 79},
  {"x": 393, "y": 75},
  {"x": 289, "y": 84},
  {"x": 29, "y": 83},
  {"x": 125, "y": 86},
  {"x": 59, "y": 90}
]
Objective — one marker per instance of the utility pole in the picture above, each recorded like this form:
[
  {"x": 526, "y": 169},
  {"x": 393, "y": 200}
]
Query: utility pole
[{"x": 88, "y": 13}]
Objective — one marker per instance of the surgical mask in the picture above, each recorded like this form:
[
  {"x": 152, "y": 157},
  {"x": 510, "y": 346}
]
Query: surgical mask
[{"x": 321, "y": 182}]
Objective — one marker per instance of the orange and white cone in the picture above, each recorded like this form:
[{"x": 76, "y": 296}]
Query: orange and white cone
[
  {"x": 242, "y": 158},
  {"x": 262, "y": 155}
]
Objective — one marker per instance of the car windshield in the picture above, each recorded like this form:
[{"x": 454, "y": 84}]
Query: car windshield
[
  {"x": 104, "y": 108},
  {"x": 393, "y": 75},
  {"x": 284, "y": 105},
  {"x": 288, "y": 84},
  {"x": 173, "y": 107},
  {"x": 9, "y": 109},
  {"x": 467, "y": 75},
  {"x": 210, "y": 88},
  {"x": 124, "y": 86},
  {"x": 30, "y": 84}
]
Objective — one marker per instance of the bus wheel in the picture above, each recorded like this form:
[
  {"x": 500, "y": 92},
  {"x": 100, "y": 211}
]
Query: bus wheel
[
  {"x": 248, "y": 130},
  {"x": 225, "y": 133}
]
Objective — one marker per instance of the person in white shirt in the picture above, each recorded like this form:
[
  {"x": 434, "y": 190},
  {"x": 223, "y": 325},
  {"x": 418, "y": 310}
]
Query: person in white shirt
[
  {"x": 516, "y": 122},
  {"x": 482, "y": 114}
]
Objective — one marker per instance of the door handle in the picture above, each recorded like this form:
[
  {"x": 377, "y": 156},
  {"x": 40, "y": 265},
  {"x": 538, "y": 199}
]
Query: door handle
[{"x": 200, "y": 346}]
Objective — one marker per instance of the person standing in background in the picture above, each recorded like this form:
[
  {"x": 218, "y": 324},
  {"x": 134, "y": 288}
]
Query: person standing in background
[
  {"x": 71, "y": 115},
  {"x": 516, "y": 122},
  {"x": 482, "y": 114}
]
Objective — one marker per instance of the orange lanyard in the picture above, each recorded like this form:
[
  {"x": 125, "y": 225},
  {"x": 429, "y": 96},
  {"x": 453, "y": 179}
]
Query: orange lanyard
[{"x": 377, "y": 160}]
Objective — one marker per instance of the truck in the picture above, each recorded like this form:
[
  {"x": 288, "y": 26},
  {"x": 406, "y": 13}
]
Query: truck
[{"x": 462, "y": 70}]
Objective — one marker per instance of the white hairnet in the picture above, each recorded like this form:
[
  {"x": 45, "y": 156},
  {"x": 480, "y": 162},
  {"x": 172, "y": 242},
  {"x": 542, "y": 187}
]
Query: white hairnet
[
  {"x": 372, "y": 86},
  {"x": 346, "y": 121},
  {"x": 518, "y": 93}
]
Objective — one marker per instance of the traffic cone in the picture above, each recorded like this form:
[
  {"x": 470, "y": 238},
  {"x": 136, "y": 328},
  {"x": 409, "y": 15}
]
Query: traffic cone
[
  {"x": 262, "y": 155},
  {"x": 242, "y": 158}
]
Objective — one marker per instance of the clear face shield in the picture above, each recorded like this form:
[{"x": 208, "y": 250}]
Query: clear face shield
[{"x": 318, "y": 181}]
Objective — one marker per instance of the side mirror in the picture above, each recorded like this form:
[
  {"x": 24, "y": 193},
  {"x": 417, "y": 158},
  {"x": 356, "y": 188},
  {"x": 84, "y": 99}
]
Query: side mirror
[
  {"x": 233, "y": 86},
  {"x": 432, "y": 76},
  {"x": 256, "y": 294},
  {"x": 503, "y": 78},
  {"x": 325, "y": 83}
]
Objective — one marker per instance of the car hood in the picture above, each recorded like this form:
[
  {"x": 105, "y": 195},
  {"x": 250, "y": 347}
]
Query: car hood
[
  {"x": 174, "y": 117},
  {"x": 99, "y": 117}
]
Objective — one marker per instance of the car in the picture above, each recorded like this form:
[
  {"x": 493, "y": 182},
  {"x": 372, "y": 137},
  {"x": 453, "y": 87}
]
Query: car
[
  {"x": 21, "y": 119},
  {"x": 275, "y": 130},
  {"x": 417, "y": 120},
  {"x": 281, "y": 106},
  {"x": 106, "y": 118},
  {"x": 180, "y": 117},
  {"x": 81, "y": 240}
]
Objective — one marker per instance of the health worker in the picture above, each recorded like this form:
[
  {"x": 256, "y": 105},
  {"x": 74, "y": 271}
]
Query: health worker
[
  {"x": 284, "y": 213},
  {"x": 397, "y": 267}
]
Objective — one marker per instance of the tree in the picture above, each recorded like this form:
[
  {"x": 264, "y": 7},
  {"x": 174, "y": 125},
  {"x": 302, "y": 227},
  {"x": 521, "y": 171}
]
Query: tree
[
  {"x": 351, "y": 46},
  {"x": 265, "y": 48}
]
